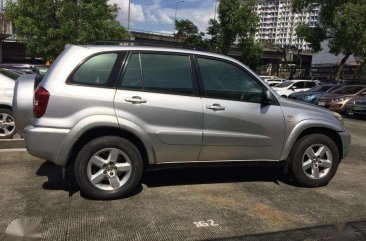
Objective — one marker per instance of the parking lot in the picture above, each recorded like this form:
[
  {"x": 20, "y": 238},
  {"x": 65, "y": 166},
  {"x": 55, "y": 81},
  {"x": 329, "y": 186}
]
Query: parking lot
[{"x": 223, "y": 203}]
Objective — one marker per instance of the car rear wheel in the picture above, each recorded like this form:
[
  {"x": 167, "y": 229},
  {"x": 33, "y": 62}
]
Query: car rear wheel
[
  {"x": 108, "y": 167},
  {"x": 7, "y": 124},
  {"x": 314, "y": 160}
]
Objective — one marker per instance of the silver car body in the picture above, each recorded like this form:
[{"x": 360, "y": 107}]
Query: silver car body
[{"x": 172, "y": 128}]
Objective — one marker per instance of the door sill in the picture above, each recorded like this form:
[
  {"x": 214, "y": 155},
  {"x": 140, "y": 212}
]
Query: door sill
[{"x": 215, "y": 163}]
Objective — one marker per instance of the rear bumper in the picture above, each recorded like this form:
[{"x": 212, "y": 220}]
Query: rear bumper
[
  {"x": 346, "y": 142},
  {"x": 44, "y": 142}
]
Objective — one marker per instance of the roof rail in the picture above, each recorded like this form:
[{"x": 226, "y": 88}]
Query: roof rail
[{"x": 149, "y": 43}]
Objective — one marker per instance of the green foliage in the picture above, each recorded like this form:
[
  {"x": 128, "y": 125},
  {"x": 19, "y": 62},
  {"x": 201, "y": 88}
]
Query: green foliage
[
  {"x": 342, "y": 23},
  {"x": 48, "y": 25},
  {"x": 238, "y": 23},
  {"x": 188, "y": 31}
]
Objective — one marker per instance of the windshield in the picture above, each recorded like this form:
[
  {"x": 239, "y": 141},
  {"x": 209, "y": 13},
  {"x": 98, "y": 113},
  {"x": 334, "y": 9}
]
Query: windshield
[
  {"x": 284, "y": 84},
  {"x": 349, "y": 90}
]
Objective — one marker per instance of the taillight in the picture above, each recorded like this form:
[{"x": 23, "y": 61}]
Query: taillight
[{"x": 41, "y": 97}]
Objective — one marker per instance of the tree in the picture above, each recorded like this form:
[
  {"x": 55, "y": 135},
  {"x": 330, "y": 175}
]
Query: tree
[
  {"x": 238, "y": 23},
  {"x": 47, "y": 25},
  {"x": 341, "y": 23},
  {"x": 187, "y": 30}
]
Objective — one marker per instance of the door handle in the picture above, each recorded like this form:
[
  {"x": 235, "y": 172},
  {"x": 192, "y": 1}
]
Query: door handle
[
  {"x": 215, "y": 107},
  {"x": 135, "y": 100}
]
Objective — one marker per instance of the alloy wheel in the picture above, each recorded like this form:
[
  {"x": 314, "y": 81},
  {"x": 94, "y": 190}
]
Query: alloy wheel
[
  {"x": 317, "y": 161},
  {"x": 109, "y": 169},
  {"x": 7, "y": 125}
]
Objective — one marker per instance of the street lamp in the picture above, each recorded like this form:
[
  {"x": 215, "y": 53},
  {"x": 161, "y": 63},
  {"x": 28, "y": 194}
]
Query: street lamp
[{"x": 176, "y": 9}]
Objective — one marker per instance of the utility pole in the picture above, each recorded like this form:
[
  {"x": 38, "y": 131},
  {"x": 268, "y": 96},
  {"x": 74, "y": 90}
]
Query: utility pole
[
  {"x": 129, "y": 16},
  {"x": 215, "y": 10},
  {"x": 176, "y": 10}
]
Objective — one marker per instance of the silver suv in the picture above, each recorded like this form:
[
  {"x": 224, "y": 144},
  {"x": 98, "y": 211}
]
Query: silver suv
[{"x": 113, "y": 111}]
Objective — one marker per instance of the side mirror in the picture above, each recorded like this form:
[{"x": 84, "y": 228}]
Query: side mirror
[{"x": 267, "y": 98}]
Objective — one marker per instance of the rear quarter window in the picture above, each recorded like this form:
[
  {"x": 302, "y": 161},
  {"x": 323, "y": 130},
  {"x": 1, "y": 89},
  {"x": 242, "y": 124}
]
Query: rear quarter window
[{"x": 97, "y": 71}]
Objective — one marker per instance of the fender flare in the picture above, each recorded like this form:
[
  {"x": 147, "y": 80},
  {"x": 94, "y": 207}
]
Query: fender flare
[
  {"x": 300, "y": 128},
  {"x": 96, "y": 121}
]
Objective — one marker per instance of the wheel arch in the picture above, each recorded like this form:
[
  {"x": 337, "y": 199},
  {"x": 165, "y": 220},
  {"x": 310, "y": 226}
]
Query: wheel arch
[
  {"x": 327, "y": 132},
  {"x": 5, "y": 106},
  {"x": 304, "y": 129},
  {"x": 100, "y": 131}
]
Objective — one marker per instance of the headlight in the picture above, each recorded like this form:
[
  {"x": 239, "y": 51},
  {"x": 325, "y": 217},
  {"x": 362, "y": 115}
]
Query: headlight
[
  {"x": 338, "y": 117},
  {"x": 341, "y": 99}
]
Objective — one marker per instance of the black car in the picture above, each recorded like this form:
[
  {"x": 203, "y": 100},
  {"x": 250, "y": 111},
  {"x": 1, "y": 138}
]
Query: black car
[{"x": 314, "y": 93}]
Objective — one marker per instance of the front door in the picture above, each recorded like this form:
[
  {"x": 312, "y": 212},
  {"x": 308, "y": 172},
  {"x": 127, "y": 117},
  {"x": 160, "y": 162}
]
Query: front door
[{"x": 237, "y": 125}]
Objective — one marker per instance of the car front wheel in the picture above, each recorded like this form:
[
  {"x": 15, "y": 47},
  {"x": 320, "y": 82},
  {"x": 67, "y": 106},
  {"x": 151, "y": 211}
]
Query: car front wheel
[
  {"x": 108, "y": 167},
  {"x": 314, "y": 160}
]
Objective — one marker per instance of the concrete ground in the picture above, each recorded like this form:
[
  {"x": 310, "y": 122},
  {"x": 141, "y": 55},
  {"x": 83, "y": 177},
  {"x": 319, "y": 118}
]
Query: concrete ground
[{"x": 190, "y": 204}]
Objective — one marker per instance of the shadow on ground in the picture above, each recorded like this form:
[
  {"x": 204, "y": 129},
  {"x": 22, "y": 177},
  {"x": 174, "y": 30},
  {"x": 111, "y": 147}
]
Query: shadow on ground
[
  {"x": 55, "y": 178},
  {"x": 351, "y": 231},
  {"x": 170, "y": 176},
  {"x": 207, "y": 175}
]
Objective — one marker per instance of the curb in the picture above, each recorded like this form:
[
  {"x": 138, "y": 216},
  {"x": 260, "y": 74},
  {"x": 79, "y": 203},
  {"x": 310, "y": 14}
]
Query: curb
[{"x": 13, "y": 143}]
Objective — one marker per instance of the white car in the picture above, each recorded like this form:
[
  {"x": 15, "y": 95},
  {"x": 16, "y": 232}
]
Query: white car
[
  {"x": 288, "y": 87},
  {"x": 269, "y": 78},
  {"x": 7, "y": 82},
  {"x": 273, "y": 83}
]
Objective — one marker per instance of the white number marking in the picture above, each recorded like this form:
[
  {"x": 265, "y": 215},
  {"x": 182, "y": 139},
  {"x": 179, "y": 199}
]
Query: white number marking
[{"x": 208, "y": 223}]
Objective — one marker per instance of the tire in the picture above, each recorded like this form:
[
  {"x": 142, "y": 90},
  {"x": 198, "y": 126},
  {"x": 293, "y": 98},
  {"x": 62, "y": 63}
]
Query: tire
[
  {"x": 349, "y": 112},
  {"x": 304, "y": 172},
  {"x": 7, "y": 125},
  {"x": 113, "y": 163}
]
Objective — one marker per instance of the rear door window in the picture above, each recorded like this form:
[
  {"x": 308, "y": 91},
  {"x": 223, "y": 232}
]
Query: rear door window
[
  {"x": 99, "y": 70},
  {"x": 163, "y": 73}
]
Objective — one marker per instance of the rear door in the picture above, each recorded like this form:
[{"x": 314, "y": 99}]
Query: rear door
[
  {"x": 158, "y": 92},
  {"x": 237, "y": 126}
]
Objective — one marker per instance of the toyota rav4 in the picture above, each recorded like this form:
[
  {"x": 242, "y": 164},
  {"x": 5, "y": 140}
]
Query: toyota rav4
[{"x": 113, "y": 111}]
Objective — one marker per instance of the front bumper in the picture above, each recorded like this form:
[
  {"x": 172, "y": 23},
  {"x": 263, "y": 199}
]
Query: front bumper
[
  {"x": 346, "y": 142},
  {"x": 45, "y": 142},
  {"x": 357, "y": 109}
]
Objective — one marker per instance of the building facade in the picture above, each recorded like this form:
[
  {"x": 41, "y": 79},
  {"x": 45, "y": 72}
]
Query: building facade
[{"x": 278, "y": 23}]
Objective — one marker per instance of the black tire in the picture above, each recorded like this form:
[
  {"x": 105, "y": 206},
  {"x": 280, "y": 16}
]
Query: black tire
[
  {"x": 2, "y": 133},
  {"x": 92, "y": 147},
  {"x": 296, "y": 160}
]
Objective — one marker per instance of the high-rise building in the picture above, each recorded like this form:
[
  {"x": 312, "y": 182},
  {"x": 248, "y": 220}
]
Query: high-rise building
[{"x": 278, "y": 23}]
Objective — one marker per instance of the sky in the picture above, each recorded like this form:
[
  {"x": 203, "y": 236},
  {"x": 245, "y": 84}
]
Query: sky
[{"x": 158, "y": 15}]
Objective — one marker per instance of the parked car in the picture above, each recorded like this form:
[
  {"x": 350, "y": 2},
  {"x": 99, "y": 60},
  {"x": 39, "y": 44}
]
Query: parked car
[
  {"x": 357, "y": 106},
  {"x": 272, "y": 80},
  {"x": 286, "y": 88},
  {"x": 109, "y": 112},
  {"x": 314, "y": 93},
  {"x": 269, "y": 78},
  {"x": 274, "y": 83},
  {"x": 337, "y": 100},
  {"x": 7, "y": 82}
]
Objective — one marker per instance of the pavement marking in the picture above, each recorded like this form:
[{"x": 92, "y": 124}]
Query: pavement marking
[
  {"x": 13, "y": 150},
  {"x": 208, "y": 223}
]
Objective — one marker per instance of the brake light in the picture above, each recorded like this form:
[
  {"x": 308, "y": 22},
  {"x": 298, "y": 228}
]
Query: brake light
[{"x": 41, "y": 97}]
